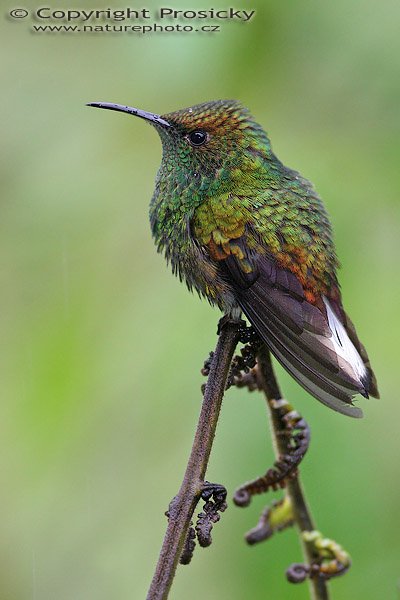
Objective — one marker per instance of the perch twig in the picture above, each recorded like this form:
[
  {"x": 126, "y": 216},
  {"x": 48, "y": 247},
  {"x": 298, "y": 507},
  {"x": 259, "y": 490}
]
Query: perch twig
[
  {"x": 183, "y": 506},
  {"x": 301, "y": 512}
]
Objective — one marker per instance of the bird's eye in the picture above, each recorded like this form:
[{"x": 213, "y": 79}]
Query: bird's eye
[{"x": 197, "y": 138}]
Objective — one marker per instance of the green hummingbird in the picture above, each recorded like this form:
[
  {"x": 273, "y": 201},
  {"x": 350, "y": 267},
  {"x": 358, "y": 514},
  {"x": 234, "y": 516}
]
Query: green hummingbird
[{"x": 252, "y": 236}]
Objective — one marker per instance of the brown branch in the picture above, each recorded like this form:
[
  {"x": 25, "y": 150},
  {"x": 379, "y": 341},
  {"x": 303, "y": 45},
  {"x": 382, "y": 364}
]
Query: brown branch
[
  {"x": 302, "y": 515},
  {"x": 184, "y": 504}
]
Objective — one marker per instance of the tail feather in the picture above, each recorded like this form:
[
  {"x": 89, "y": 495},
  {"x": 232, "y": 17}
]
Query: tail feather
[
  {"x": 351, "y": 331},
  {"x": 313, "y": 376},
  {"x": 317, "y": 345},
  {"x": 344, "y": 347}
]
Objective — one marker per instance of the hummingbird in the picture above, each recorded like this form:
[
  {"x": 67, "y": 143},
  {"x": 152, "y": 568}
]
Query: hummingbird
[{"x": 253, "y": 237}]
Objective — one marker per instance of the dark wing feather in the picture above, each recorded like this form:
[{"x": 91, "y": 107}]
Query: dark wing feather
[{"x": 296, "y": 331}]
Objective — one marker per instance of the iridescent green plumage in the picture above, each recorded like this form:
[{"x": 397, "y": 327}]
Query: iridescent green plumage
[
  {"x": 235, "y": 187},
  {"x": 251, "y": 235}
]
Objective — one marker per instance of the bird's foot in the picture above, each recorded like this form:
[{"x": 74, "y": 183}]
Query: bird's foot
[{"x": 229, "y": 319}]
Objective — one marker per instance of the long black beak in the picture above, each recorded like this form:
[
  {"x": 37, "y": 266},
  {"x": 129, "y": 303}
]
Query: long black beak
[{"x": 156, "y": 119}]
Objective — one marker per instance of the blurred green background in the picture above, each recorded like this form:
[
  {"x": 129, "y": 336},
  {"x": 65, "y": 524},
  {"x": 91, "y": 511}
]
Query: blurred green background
[{"x": 101, "y": 347}]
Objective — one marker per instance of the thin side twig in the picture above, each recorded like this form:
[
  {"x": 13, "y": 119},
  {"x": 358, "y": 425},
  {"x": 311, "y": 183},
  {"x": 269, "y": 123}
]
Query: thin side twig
[
  {"x": 184, "y": 504},
  {"x": 268, "y": 383}
]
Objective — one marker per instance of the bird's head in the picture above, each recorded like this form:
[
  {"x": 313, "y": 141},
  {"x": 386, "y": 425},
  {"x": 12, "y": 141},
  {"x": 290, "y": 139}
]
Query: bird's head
[{"x": 207, "y": 139}]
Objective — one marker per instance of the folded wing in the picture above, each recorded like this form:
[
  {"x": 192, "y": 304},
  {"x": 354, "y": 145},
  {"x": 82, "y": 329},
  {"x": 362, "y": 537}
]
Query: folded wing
[{"x": 312, "y": 343}]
